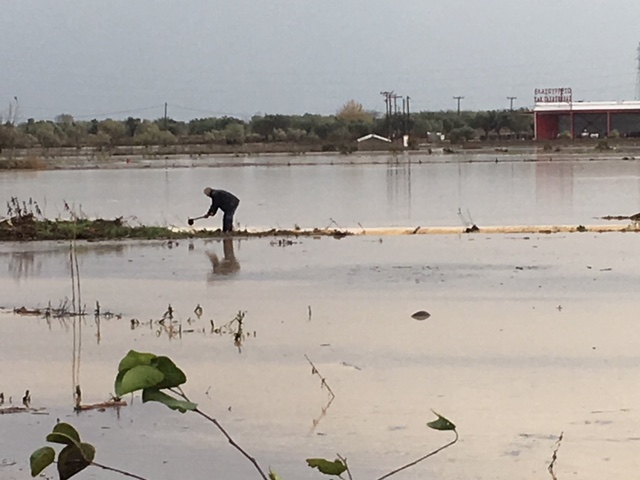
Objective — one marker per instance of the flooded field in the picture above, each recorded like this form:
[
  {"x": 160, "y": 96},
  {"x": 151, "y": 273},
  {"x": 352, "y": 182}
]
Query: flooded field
[
  {"x": 528, "y": 336},
  {"x": 396, "y": 191}
]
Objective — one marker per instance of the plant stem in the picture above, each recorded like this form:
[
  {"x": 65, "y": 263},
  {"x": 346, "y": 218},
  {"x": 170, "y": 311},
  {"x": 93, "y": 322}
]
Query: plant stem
[
  {"x": 344, "y": 460},
  {"x": 232, "y": 442},
  {"x": 430, "y": 454},
  {"x": 179, "y": 391},
  {"x": 121, "y": 472}
]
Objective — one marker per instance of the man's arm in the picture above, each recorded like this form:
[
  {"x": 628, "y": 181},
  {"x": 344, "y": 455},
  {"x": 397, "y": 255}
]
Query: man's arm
[{"x": 213, "y": 209}]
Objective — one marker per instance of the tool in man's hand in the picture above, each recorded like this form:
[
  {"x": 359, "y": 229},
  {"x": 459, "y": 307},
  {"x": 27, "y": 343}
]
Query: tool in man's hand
[{"x": 191, "y": 220}]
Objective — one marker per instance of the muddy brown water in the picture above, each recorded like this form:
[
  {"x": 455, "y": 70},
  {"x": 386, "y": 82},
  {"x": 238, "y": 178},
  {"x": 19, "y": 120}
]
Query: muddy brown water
[{"x": 529, "y": 335}]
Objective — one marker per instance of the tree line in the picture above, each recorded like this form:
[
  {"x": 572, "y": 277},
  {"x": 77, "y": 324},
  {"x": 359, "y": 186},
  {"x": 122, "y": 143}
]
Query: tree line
[{"x": 349, "y": 123}]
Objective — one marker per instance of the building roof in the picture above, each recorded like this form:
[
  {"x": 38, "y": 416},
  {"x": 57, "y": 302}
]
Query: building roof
[
  {"x": 627, "y": 106},
  {"x": 373, "y": 136}
]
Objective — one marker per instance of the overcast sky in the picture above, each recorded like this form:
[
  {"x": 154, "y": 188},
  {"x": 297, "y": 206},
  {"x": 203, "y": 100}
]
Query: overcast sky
[{"x": 99, "y": 58}]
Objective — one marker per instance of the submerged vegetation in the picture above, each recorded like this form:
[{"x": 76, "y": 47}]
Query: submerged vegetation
[
  {"x": 26, "y": 222},
  {"x": 30, "y": 228}
]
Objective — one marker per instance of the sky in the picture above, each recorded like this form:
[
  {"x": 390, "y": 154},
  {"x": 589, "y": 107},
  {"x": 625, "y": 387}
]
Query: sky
[{"x": 120, "y": 58}]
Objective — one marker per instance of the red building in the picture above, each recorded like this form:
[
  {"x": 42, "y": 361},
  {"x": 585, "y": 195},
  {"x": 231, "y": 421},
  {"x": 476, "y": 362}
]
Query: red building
[{"x": 586, "y": 119}]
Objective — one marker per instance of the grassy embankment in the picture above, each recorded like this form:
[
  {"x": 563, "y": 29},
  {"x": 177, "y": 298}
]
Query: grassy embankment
[{"x": 29, "y": 228}]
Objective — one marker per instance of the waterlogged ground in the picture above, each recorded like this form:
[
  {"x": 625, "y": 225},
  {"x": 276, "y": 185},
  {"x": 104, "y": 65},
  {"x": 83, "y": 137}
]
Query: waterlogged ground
[
  {"x": 372, "y": 191},
  {"x": 529, "y": 336}
]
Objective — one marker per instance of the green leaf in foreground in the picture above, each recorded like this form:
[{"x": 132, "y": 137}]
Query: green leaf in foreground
[
  {"x": 135, "y": 359},
  {"x": 155, "y": 395},
  {"x": 65, "y": 434},
  {"x": 441, "y": 423},
  {"x": 73, "y": 459},
  {"x": 138, "y": 378},
  {"x": 173, "y": 376},
  {"x": 41, "y": 459},
  {"x": 273, "y": 475},
  {"x": 325, "y": 466}
]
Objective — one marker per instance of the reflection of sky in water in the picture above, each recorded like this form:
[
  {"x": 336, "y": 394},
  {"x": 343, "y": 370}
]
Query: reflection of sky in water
[
  {"x": 528, "y": 335},
  {"x": 395, "y": 193}
]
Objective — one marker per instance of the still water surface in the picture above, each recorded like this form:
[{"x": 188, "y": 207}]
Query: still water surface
[
  {"x": 400, "y": 192},
  {"x": 528, "y": 335}
]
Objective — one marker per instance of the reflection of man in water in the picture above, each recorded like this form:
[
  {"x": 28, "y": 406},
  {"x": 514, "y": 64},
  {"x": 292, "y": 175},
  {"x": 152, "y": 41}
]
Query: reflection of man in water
[{"x": 228, "y": 265}]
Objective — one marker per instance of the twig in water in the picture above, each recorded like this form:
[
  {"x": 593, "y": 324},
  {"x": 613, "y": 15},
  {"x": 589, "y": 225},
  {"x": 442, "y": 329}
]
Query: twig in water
[
  {"x": 554, "y": 457},
  {"x": 323, "y": 384},
  {"x": 314, "y": 371},
  {"x": 332, "y": 222}
]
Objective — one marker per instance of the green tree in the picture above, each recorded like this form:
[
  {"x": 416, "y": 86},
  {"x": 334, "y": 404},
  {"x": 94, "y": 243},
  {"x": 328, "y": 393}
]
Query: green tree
[
  {"x": 461, "y": 134},
  {"x": 234, "y": 134},
  {"x": 489, "y": 121},
  {"x": 47, "y": 134},
  {"x": 149, "y": 133},
  {"x": 99, "y": 140},
  {"x": 520, "y": 122},
  {"x": 131, "y": 126},
  {"x": 115, "y": 129},
  {"x": 64, "y": 119},
  {"x": 176, "y": 127},
  {"x": 8, "y": 135},
  {"x": 267, "y": 125}
]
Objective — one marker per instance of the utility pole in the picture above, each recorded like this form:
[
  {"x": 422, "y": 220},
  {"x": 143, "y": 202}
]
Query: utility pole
[
  {"x": 638, "y": 75},
  {"x": 387, "y": 102},
  {"x": 396, "y": 127},
  {"x": 165, "y": 115},
  {"x": 408, "y": 115},
  {"x": 458, "y": 98},
  {"x": 511, "y": 99}
]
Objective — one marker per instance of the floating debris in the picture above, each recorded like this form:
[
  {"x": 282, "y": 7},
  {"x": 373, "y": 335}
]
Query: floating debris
[
  {"x": 421, "y": 315},
  {"x": 113, "y": 403}
]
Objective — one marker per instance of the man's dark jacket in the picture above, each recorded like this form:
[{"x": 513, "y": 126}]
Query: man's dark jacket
[{"x": 223, "y": 200}]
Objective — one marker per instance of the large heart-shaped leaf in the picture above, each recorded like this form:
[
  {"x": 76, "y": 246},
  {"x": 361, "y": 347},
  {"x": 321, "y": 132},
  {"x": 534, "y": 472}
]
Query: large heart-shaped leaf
[
  {"x": 173, "y": 376},
  {"x": 325, "y": 466},
  {"x": 41, "y": 459},
  {"x": 135, "y": 359},
  {"x": 441, "y": 423},
  {"x": 138, "y": 378},
  {"x": 65, "y": 434},
  {"x": 72, "y": 459},
  {"x": 155, "y": 395}
]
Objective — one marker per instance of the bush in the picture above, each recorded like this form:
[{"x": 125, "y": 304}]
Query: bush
[{"x": 461, "y": 134}]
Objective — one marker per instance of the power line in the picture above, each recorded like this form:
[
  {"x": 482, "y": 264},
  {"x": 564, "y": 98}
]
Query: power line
[{"x": 121, "y": 112}]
